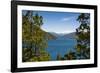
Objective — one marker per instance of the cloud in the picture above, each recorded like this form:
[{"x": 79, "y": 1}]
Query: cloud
[{"x": 66, "y": 19}]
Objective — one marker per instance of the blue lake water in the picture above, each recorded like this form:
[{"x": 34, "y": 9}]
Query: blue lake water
[{"x": 60, "y": 46}]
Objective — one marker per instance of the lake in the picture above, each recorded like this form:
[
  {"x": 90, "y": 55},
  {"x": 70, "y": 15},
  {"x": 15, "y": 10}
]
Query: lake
[{"x": 60, "y": 46}]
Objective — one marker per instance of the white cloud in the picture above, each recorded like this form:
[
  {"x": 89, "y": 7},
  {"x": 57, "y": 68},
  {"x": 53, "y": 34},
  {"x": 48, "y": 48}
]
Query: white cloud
[{"x": 66, "y": 19}]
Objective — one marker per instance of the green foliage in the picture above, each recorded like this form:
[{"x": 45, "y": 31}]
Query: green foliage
[
  {"x": 27, "y": 53},
  {"x": 70, "y": 56},
  {"x": 34, "y": 37},
  {"x": 59, "y": 57},
  {"x": 43, "y": 57},
  {"x": 26, "y": 29},
  {"x": 83, "y": 36},
  {"x": 38, "y": 20},
  {"x": 38, "y": 37}
]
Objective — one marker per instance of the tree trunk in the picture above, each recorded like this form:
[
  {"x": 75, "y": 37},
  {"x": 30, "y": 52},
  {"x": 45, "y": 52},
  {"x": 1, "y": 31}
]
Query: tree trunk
[{"x": 37, "y": 53}]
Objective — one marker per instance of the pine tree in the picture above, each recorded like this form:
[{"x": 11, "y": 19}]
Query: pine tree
[
  {"x": 58, "y": 56},
  {"x": 83, "y": 36},
  {"x": 70, "y": 56},
  {"x": 33, "y": 37},
  {"x": 26, "y": 35},
  {"x": 38, "y": 37}
]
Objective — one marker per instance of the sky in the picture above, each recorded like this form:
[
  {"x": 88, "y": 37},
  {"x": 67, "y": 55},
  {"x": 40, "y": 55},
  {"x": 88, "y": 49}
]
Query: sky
[{"x": 59, "y": 22}]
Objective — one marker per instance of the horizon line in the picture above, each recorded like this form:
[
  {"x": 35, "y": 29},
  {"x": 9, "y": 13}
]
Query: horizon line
[{"x": 63, "y": 32}]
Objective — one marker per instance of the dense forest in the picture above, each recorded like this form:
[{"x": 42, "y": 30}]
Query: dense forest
[{"x": 35, "y": 40}]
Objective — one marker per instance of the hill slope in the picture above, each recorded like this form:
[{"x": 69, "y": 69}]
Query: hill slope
[{"x": 70, "y": 35}]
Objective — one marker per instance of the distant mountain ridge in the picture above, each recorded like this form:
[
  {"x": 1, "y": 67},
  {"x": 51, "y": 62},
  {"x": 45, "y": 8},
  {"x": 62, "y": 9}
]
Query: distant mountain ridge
[
  {"x": 50, "y": 36},
  {"x": 70, "y": 35},
  {"x": 62, "y": 35},
  {"x": 57, "y": 34}
]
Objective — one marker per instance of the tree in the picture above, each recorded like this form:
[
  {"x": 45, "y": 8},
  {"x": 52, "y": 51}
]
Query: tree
[
  {"x": 26, "y": 35},
  {"x": 39, "y": 38},
  {"x": 33, "y": 37},
  {"x": 83, "y": 36},
  {"x": 38, "y": 20},
  {"x": 58, "y": 56},
  {"x": 70, "y": 56}
]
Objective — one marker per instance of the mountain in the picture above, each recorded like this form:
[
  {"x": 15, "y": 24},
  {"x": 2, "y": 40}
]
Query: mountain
[
  {"x": 69, "y": 35},
  {"x": 38, "y": 32},
  {"x": 51, "y": 36},
  {"x": 56, "y": 34}
]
